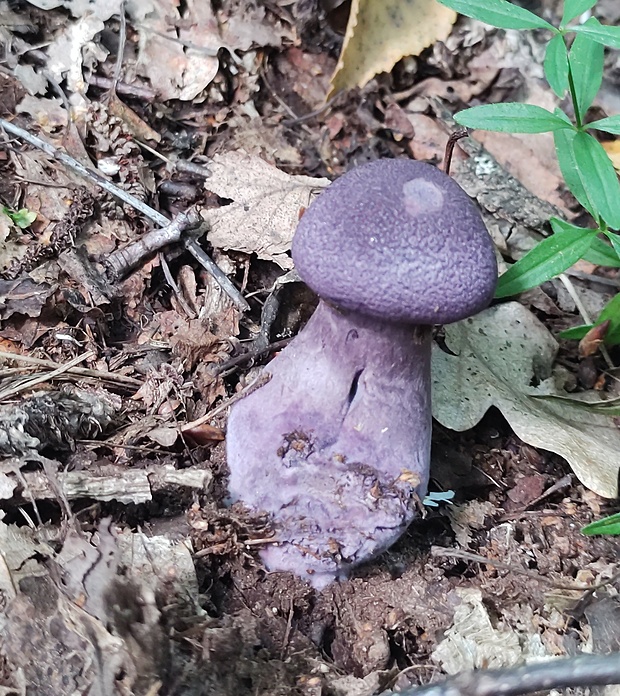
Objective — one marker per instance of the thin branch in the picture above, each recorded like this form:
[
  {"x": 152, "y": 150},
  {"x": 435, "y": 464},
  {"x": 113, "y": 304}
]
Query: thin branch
[
  {"x": 121, "y": 262},
  {"x": 312, "y": 114},
  {"x": 258, "y": 382},
  {"x": 175, "y": 287},
  {"x": 137, "y": 91},
  {"x": 475, "y": 558},
  {"x": 11, "y": 391},
  {"x": 585, "y": 670},
  {"x": 202, "y": 257},
  {"x": 122, "y": 37},
  {"x": 91, "y": 175},
  {"x": 255, "y": 351},
  {"x": 80, "y": 371}
]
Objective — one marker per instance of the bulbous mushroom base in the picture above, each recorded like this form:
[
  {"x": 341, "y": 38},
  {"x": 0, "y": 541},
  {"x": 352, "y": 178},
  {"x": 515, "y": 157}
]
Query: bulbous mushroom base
[{"x": 336, "y": 446}]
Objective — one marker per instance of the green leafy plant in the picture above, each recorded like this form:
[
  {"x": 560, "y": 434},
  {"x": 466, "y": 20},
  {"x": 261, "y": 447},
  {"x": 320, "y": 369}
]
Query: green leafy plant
[
  {"x": 611, "y": 313},
  {"x": 577, "y": 69},
  {"x": 608, "y": 525},
  {"x": 23, "y": 217}
]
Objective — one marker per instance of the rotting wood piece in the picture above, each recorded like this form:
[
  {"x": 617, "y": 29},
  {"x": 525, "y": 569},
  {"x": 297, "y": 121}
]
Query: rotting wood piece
[{"x": 112, "y": 483}]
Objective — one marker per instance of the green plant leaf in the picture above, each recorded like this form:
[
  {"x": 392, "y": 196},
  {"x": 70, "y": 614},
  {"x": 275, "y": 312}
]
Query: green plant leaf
[
  {"x": 558, "y": 225},
  {"x": 565, "y": 152},
  {"x": 513, "y": 117},
  {"x": 23, "y": 217},
  {"x": 608, "y": 525},
  {"x": 574, "y": 8},
  {"x": 546, "y": 260},
  {"x": 599, "y": 253},
  {"x": 499, "y": 13},
  {"x": 611, "y": 313},
  {"x": 609, "y": 125},
  {"x": 608, "y": 36},
  {"x": 576, "y": 333},
  {"x": 602, "y": 254},
  {"x": 586, "y": 67},
  {"x": 615, "y": 241},
  {"x": 598, "y": 178},
  {"x": 556, "y": 65}
]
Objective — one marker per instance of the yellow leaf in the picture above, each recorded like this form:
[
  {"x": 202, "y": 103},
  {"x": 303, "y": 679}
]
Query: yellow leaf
[
  {"x": 381, "y": 32},
  {"x": 612, "y": 148}
]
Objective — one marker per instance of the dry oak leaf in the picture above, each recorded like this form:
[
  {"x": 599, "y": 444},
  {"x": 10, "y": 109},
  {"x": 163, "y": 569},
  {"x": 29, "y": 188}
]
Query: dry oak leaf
[
  {"x": 496, "y": 359},
  {"x": 265, "y": 209},
  {"x": 381, "y": 32}
]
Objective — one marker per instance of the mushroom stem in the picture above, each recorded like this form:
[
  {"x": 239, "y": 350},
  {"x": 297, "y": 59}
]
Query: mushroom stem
[{"x": 336, "y": 446}]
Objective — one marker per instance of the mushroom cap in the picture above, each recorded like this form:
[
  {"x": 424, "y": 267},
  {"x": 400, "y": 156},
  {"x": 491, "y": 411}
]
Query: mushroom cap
[{"x": 398, "y": 240}]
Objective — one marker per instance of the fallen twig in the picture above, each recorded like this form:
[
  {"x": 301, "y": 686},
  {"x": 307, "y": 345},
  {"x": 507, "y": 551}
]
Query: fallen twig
[
  {"x": 123, "y": 261},
  {"x": 252, "y": 354},
  {"x": 585, "y": 670},
  {"x": 137, "y": 91},
  {"x": 78, "y": 371},
  {"x": 439, "y": 551},
  {"x": 23, "y": 386},
  {"x": 91, "y": 175},
  {"x": 258, "y": 382}
]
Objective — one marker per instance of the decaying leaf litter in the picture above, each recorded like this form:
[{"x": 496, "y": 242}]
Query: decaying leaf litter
[{"x": 116, "y": 537}]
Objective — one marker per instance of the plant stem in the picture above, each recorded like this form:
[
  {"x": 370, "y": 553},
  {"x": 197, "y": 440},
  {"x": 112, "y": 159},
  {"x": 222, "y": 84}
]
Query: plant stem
[{"x": 573, "y": 96}]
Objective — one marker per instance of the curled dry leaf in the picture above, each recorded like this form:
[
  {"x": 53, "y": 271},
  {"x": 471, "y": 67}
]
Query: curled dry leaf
[
  {"x": 381, "y": 32},
  {"x": 266, "y": 206},
  {"x": 75, "y": 48},
  {"x": 205, "y": 434},
  {"x": 497, "y": 357},
  {"x": 164, "y": 436},
  {"x": 591, "y": 342},
  {"x": 23, "y": 296}
]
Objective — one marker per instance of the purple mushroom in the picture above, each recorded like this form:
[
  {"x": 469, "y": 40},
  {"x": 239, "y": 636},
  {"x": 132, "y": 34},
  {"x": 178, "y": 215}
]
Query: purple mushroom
[{"x": 336, "y": 446}]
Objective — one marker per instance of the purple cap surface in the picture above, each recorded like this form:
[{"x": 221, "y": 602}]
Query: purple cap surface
[{"x": 398, "y": 240}]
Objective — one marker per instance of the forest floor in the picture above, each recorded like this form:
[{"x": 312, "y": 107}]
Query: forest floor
[{"x": 122, "y": 568}]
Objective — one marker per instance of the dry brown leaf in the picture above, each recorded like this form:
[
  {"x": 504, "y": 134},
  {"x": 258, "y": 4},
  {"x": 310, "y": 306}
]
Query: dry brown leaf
[
  {"x": 166, "y": 437},
  {"x": 205, "y": 434},
  {"x": 612, "y": 148},
  {"x": 592, "y": 341},
  {"x": 248, "y": 25},
  {"x": 381, "y": 32},
  {"x": 475, "y": 641},
  {"x": 23, "y": 296},
  {"x": 179, "y": 62},
  {"x": 266, "y": 207},
  {"x": 75, "y": 48}
]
